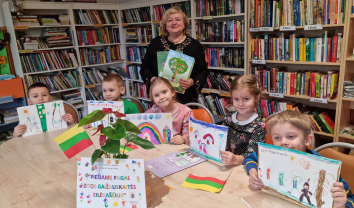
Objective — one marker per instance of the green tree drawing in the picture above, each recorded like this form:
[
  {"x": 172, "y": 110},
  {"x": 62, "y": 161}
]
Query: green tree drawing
[
  {"x": 42, "y": 116},
  {"x": 177, "y": 66}
]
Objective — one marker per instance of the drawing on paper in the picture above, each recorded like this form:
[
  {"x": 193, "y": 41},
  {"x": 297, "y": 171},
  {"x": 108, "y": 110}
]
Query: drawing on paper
[
  {"x": 156, "y": 128},
  {"x": 42, "y": 117},
  {"x": 93, "y": 105},
  {"x": 183, "y": 158},
  {"x": 207, "y": 139},
  {"x": 301, "y": 177}
]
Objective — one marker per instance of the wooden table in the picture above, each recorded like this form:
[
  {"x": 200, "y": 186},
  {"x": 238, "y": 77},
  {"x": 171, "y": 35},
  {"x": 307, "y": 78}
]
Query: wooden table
[{"x": 34, "y": 172}]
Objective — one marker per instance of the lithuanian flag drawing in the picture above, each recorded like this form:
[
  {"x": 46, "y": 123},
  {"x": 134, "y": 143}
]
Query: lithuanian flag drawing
[
  {"x": 204, "y": 183},
  {"x": 128, "y": 148},
  {"x": 73, "y": 141}
]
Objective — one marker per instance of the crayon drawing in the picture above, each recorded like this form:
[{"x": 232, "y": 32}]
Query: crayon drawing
[
  {"x": 42, "y": 117},
  {"x": 155, "y": 127},
  {"x": 93, "y": 105},
  {"x": 207, "y": 139},
  {"x": 301, "y": 177}
]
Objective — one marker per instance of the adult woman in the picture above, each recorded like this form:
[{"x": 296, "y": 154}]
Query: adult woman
[{"x": 174, "y": 27}]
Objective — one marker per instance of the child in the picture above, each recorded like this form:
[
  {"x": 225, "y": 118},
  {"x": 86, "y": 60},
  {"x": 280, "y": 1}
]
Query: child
[
  {"x": 113, "y": 88},
  {"x": 38, "y": 93},
  {"x": 291, "y": 129},
  {"x": 245, "y": 127},
  {"x": 163, "y": 95}
]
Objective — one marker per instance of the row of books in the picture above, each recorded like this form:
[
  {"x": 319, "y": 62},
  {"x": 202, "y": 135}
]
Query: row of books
[
  {"x": 90, "y": 17},
  {"x": 348, "y": 89},
  {"x": 101, "y": 56},
  {"x": 225, "y": 57},
  {"x": 41, "y": 19},
  {"x": 48, "y": 60},
  {"x": 73, "y": 97},
  {"x": 57, "y": 37},
  {"x": 281, "y": 48},
  {"x": 140, "y": 34},
  {"x": 160, "y": 9},
  {"x": 8, "y": 116},
  {"x": 133, "y": 72},
  {"x": 218, "y": 106},
  {"x": 136, "y": 53},
  {"x": 272, "y": 13},
  {"x": 95, "y": 36},
  {"x": 137, "y": 15},
  {"x": 147, "y": 104},
  {"x": 92, "y": 95},
  {"x": 227, "y": 31},
  {"x": 137, "y": 89},
  {"x": 55, "y": 81},
  {"x": 219, "y": 7},
  {"x": 313, "y": 84},
  {"x": 92, "y": 76},
  {"x": 219, "y": 81}
]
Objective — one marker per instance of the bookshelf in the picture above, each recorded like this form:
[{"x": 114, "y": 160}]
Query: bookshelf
[{"x": 293, "y": 26}]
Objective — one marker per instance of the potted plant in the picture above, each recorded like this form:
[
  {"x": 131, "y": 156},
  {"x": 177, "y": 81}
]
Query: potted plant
[{"x": 110, "y": 136}]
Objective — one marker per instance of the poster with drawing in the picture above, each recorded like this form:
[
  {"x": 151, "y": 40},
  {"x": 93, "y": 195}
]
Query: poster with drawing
[
  {"x": 207, "y": 139},
  {"x": 156, "y": 127},
  {"x": 110, "y": 183},
  {"x": 177, "y": 66},
  {"x": 42, "y": 117},
  {"x": 173, "y": 162},
  {"x": 301, "y": 177},
  {"x": 93, "y": 105}
]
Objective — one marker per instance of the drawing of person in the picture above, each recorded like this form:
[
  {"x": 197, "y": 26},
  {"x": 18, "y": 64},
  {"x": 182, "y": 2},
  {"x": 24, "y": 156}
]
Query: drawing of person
[
  {"x": 268, "y": 173},
  {"x": 295, "y": 183},
  {"x": 305, "y": 191},
  {"x": 281, "y": 179},
  {"x": 260, "y": 173}
]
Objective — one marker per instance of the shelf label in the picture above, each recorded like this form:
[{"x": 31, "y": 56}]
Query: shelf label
[
  {"x": 21, "y": 27},
  {"x": 90, "y": 86},
  {"x": 155, "y": 21},
  {"x": 225, "y": 94},
  {"x": 278, "y": 95},
  {"x": 255, "y": 29},
  {"x": 287, "y": 28},
  {"x": 143, "y": 43},
  {"x": 318, "y": 100},
  {"x": 258, "y": 61},
  {"x": 26, "y": 51},
  {"x": 266, "y": 29},
  {"x": 220, "y": 116},
  {"x": 98, "y": 25},
  {"x": 313, "y": 27},
  {"x": 124, "y": 24},
  {"x": 129, "y": 62},
  {"x": 207, "y": 17},
  {"x": 205, "y": 91}
]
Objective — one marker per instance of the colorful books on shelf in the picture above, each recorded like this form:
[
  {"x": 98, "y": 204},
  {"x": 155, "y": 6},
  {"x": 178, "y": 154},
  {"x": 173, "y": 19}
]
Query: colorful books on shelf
[
  {"x": 138, "y": 90},
  {"x": 57, "y": 37},
  {"x": 348, "y": 130},
  {"x": 25, "y": 20},
  {"x": 219, "y": 7},
  {"x": 227, "y": 31},
  {"x": 268, "y": 13},
  {"x": 132, "y": 35},
  {"x": 218, "y": 106},
  {"x": 292, "y": 48},
  {"x": 92, "y": 76},
  {"x": 73, "y": 97},
  {"x": 8, "y": 116},
  {"x": 49, "y": 19},
  {"x": 90, "y": 17},
  {"x": 101, "y": 56},
  {"x": 136, "y": 54},
  {"x": 160, "y": 9},
  {"x": 134, "y": 72},
  {"x": 90, "y": 95},
  {"x": 308, "y": 83},
  {"x": 63, "y": 80},
  {"x": 225, "y": 57},
  {"x": 137, "y": 15},
  {"x": 348, "y": 89},
  {"x": 48, "y": 60},
  {"x": 322, "y": 122},
  {"x": 219, "y": 81},
  {"x": 98, "y": 36}
]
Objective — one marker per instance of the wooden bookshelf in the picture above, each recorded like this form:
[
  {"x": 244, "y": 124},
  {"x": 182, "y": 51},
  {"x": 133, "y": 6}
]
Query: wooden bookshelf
[{"x": 301, "y": 63}]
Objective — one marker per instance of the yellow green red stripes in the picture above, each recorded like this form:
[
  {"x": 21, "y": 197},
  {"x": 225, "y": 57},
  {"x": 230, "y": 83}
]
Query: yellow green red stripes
[
  {"x": 204, "y": 183},
  {"x": 128, "y": 148}
]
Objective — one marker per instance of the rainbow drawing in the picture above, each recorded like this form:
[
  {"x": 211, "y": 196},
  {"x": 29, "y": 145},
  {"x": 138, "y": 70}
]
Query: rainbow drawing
[{"x": 150, "y": 132}]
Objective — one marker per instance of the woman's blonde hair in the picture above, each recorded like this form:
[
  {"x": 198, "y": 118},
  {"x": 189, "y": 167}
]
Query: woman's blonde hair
[
  {"x": 299, "y": 120},
  {"x": 167, "y": 14},
  {"x": 161, "y": 80}
]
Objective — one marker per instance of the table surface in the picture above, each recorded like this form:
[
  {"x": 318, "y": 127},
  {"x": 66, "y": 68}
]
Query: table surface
[{"x": 34, "y": 172}]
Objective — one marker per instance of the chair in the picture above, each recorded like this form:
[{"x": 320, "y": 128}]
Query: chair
[
  {"x": 269, "y": 138},
  {"x": 139, "y": 104},
  {"x": 202, "y": 114},
  {"x": 69, "y": 108},
  {"x": 347, "y": 160}
]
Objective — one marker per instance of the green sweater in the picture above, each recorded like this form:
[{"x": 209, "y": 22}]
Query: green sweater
[{"x": 130, "y": 107}]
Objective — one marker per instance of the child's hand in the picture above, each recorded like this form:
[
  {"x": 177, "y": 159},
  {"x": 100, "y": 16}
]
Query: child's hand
[
  {"x": 338, "y": 194},
  {"x": 229, "y": 158},
  {"x": 87, "y": 126},
  {"x": 19, "y": 130},
  {"x": 178, "y": 139},
  {"x": 68, "y": 118},
  {"x": 255, "y": 182}
]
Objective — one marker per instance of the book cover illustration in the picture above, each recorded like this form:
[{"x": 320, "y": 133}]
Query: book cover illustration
[
  {"x": 161, "y": 60},
  {"x": 177, "y": 66},
  {"x": 93, "y": 105}
]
